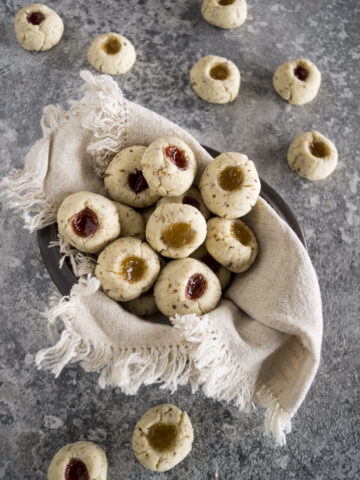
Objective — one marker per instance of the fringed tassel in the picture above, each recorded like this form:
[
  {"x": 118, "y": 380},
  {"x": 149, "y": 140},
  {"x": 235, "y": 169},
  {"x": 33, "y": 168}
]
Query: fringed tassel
[{"x": 81, "y": 263}]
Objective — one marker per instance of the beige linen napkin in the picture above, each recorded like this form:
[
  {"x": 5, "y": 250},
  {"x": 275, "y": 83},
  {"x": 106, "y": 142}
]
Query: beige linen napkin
[{"x": 261, "y": 344}]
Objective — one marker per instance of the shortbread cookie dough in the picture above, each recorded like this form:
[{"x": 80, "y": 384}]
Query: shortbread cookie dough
[
  {"x": 297, "y": 81},
  {"x": 162, "y": 437},
  {"x": 312, "y": 156},
  {"x": 176, "y": 230},
  {"x": 215, "y": 79},
  {"x": 88, "y": 221},
  {"x": 124, "y": 179},
  {"x": 231, "y": 243},
  {"x": 224, "y": 13},
  {"x": 127, "y": 268},
  {"x": 79, "y": 460},
  {"x": 112, "y": 53},
  {"x": 132, "y": 223},
  {"x": 191, "y": 197},
  {"x": 223, "y": 274},
  {"x": 230, "y": 185},
  {"x": 186, "y": 286},
  {"x": 169, "y": 166},
  {"x": 38, "y": 27},
  {"x": 143, "y": 306}
]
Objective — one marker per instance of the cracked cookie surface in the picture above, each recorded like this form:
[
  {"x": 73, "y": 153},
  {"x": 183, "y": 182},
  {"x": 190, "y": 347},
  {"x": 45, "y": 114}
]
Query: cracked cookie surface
[
  {"x": 186, "y": 286},
  {"x": 131, "y": 221},
  {"x": 112, "y": 53},
  {"x": 215, "y": 79},
  {"x": 162, "y": 437},
  {"x": 38, "y": 27}
]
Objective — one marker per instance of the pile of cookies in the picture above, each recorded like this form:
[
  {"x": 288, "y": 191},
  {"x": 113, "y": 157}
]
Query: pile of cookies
[{"x": 162, "y": 244}]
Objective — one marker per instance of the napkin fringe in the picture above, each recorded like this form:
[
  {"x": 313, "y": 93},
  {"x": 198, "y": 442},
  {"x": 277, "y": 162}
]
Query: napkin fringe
[{"x": 81, "y": 263}]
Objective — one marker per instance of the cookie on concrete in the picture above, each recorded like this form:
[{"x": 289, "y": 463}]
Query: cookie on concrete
[
  {"x": 124, "y": 179},
  {"x": 127, "y": 268},
  {"x": 169, "y": 166},
  {"x": 131, "y": 221},
  {"x": 215, "y": 79},
  {"x": 224, "y": 13},
  {"x": 112, "y": 53},
  {"x": 230, "y": 185},
  {"x": 88, "y": 221},
  {"x": 84, "y": 460},
  {"x": 176, "y": 230},
  {"x": 231, "y": 243},
  {"x": 190, "y": 197},
  {"x": 162, "y": 437},
  {"x": 312, "y": 156},
  {"x": 38, "y": 27},
  {"x": 297, "y": 81},
  {"x": 186, "y": 286},
  {"x": 223, "y": 274}
]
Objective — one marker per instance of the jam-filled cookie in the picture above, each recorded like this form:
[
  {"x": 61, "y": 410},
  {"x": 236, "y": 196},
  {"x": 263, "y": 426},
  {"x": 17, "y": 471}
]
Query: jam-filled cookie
[
  {"x": 124, "y": 179},
  {"x": 224, "y": 13},
  {"x": 88, "y": 221},
  {"x": 169, "y": 166},
  {"x": 143, "y": 306},
  {"x": 186, "y": 286},
  {"x": 223, "y": 274},
  {"x": 231, "y": 243},
  {"x": 132, "y": 223},
  {"x": 79, "y": 460},
  {"x": 162, "y": 437},
  {"x": 191, "y": 197},
  {"x": 112, "y": 53},
  {"x": 38, "y": 27},
  {"x": 176, "y": 230},
  {"x": 230, "y": 185},
  {"x": 297, "y": 81},
  {"x": 312, "y": 156},
  {"x": 127, "y": 268},
  {"x": 215, "y": 79}
]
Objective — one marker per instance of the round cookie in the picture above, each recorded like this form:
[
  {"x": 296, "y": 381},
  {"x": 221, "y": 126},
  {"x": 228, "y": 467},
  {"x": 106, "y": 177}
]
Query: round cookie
[
  {"x": 88, "y": 221},
  {"x": 230, "y": 185},
  {"x": 231, "y": 243},
  {"x": 124, "y": 179},
  {"x": 143, "y": 306},
  {"x": 38, "y": 27},
  {"x": 84, "y": 460},
  {"x": 191, "y": 197},
  {"x": 146, "y": 213},
  {"x": 169, "y": 166},
  {"x": 223, "y": 274},
  {"x": 215, "y": 79},
  {"x": 312, "y": 156},
  {"x": 186, "y": 286},
  {"x": 224, "y": 13},
  {"x": 162, "y": 437},
  {"x": 297, "y": 81},
  {"x": 132, "y": 223},
  {"x": 112, "y": 53},
  {"x": 127, "y": 268},
  {"x": 176, "y": 230}
]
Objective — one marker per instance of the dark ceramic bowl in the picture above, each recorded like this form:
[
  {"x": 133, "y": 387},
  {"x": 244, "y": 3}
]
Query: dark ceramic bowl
[{"x": 64, "y": 277}]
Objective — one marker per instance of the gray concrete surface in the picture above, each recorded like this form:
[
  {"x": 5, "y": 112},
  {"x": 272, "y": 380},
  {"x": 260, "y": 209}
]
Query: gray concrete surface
[{"x": 39, "y": 414}]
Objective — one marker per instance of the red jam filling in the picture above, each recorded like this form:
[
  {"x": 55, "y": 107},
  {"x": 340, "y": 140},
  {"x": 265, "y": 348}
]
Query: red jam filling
[
  {"x": 196, "y": 286},
  {"x": 187, "y": 200},
  {"x": 137, "y": 182},
  {"x": 76, "y": 470},
  {"x": 176, "y": 156},
  {"x": 85, "y": 223},
  {"x": 35, "y": 18},
  {"x": 211, "y": 262},
  {"x": 301, "y": 73}
]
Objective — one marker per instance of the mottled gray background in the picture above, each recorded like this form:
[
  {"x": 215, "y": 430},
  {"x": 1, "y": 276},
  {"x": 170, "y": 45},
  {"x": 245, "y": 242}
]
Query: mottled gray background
[{"x": 39, "y": 414}]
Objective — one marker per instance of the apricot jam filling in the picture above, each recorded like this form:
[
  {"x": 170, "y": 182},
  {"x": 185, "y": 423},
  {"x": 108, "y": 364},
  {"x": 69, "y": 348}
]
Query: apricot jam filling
[
  {"x": 112, "y": 46},
  {"x": 178, "y": 235},
  {"x": 162, "y": 436},
  {"x": 219, "y": 71},
  {"x": 133, "y": 269},
  {"x": 85, "y": 223},
  {"x": 240, "y": 233},
  {"x": 231, "y": 178},
  {"x": 223, "y": 3},
  {"x": 318, "y": 149}
]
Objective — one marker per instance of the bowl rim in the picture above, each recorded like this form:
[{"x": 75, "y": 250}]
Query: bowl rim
[{"x": 64, "y": 277}]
